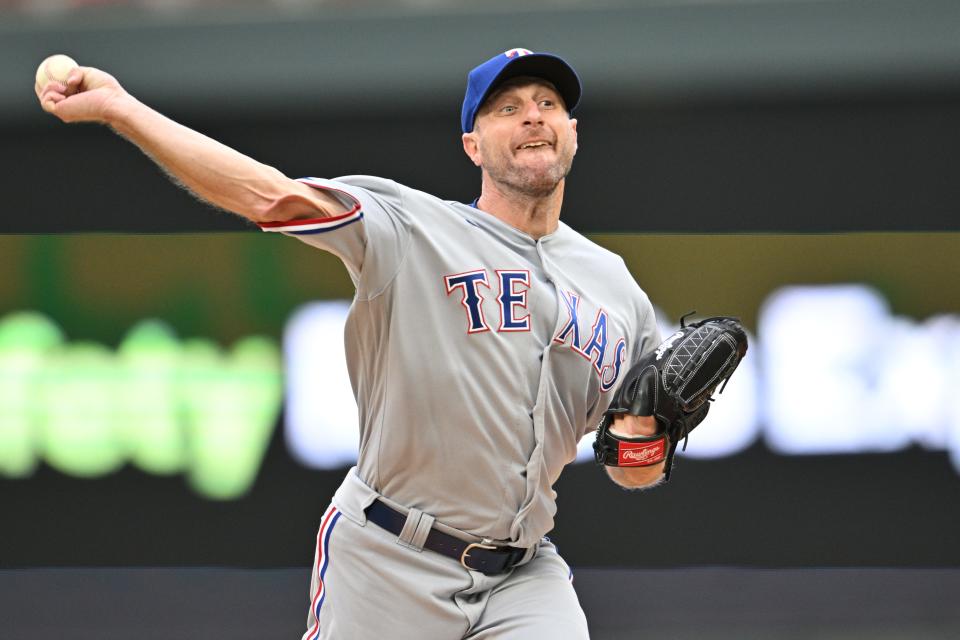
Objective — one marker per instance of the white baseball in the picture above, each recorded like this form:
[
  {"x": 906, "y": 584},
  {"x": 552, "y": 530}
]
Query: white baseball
[{"x": 56, "y": 68}]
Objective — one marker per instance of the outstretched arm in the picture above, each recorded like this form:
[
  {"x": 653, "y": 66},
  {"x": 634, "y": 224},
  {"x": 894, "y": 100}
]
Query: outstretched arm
[{"x": 212, "y": 171}]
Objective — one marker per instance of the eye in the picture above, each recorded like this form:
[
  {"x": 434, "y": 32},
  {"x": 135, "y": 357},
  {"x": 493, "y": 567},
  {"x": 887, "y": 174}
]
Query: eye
[
  {"x": 546, "y": 103},
  {"x": 508, "y": 108}
]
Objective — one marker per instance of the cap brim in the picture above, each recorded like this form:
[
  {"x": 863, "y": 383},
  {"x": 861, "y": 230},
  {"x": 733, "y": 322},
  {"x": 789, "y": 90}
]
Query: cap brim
[{"x": 545, "y": 66}]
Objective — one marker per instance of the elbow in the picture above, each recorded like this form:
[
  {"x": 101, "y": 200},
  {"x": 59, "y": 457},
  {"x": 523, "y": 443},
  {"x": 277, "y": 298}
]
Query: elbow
[
  {"x": 280, "y": 199},
  {"x": 295, "y": 201},
  {"x": 282, "y": 208}
]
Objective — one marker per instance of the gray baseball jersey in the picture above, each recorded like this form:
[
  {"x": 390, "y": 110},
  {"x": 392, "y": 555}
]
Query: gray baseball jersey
[{"x": 479, "y": 356}]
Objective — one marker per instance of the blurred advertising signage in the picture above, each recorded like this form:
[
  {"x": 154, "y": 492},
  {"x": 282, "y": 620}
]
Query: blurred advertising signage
[
  {"x": 830, "y": 370},
  {"x": 166, "y": 406}
]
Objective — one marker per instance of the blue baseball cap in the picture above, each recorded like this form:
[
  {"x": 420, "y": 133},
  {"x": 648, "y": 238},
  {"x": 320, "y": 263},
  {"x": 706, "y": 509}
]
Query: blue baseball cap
[{"x": 510, "y": 64}]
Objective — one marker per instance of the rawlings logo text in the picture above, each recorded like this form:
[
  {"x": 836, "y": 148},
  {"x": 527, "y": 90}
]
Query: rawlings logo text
[
  {"x": 667, "y": 344},
  {"x": 633, "y": 454}
]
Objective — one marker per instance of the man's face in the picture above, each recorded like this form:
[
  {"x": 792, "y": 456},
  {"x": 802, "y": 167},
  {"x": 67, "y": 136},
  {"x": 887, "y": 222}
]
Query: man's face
[{"x": 523, "y": 137}]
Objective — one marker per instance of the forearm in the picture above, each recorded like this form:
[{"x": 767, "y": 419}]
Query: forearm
[
  {"x": 211, "y": 170},
  {"x": 637, "y": 477}
]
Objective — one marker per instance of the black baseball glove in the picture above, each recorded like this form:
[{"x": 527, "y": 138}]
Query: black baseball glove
[{"x": 674, "y": 384}]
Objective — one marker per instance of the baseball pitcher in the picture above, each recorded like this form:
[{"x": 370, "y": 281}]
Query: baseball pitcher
[{"x": 484, "y": 341}]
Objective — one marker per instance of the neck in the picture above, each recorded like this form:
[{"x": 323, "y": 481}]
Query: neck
[{"x": 536, "y": 216}]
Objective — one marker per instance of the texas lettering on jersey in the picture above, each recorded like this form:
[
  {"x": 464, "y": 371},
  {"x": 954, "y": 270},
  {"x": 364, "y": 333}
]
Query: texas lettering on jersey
[{"x": 511, "y": 299}]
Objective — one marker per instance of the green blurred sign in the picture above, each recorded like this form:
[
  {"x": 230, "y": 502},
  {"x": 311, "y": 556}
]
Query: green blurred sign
[{"x": 167, "y": 406}]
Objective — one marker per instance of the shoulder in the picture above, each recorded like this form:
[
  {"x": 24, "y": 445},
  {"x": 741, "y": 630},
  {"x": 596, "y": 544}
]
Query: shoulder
[
  {"x": 608, "y": 267},
  {"x": 405, "y": 196},
  {"x": 583, "y": 248},
  {"x": 373, "y": 184}
]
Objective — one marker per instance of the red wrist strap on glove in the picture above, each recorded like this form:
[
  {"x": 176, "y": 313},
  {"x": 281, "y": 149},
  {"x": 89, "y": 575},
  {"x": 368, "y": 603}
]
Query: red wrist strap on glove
[
  {"x": 674, "y": 384},
  {"x": 633, "y": 451}
]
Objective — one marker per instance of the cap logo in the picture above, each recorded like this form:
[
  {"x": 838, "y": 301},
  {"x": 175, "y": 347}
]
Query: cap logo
[{"x": 513, "y": 53}]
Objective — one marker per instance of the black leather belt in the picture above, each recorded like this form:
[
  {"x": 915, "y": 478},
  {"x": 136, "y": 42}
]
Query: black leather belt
[{"x": 476, "y": 556}]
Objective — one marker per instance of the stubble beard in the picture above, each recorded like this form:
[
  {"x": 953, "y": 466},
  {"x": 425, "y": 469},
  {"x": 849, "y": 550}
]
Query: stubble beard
[{"x": 529, "y": 182}]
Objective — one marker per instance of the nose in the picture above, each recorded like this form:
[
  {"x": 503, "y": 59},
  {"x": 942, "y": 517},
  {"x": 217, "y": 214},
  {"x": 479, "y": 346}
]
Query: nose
[{"x": 532, "y": 113}]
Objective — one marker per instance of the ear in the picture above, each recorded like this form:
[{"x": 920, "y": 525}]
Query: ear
[
  {"x": 471, "y": 147},
  {"x": 573, "y": 127}
]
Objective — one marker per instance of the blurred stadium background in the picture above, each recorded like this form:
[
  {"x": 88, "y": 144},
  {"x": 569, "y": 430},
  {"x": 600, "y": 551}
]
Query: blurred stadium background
[{"x": 792, "y": 162}]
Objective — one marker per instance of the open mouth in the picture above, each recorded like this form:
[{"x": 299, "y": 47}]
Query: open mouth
[{"x": 534, "y": 144}]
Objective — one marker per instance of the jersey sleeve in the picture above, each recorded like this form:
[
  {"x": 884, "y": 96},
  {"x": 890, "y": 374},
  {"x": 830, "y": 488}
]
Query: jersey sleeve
[
  {"x": 649, "y": 337},
  {"x": 370, "y": 238}
]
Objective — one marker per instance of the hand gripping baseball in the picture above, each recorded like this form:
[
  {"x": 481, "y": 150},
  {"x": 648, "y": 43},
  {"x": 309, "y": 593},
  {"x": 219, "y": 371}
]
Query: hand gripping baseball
[
  {"x": 86, "y": 95},
  {"x": 674, "y": 384}
]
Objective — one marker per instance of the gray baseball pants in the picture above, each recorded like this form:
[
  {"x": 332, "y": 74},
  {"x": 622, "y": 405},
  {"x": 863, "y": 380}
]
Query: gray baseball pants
[{"x": 368, "y": 583}]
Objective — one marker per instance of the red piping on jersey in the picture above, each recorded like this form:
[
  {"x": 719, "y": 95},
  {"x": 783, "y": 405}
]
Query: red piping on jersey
[
  {"x": 298, "y": 221},
  {"x": 285, "y": 223}
]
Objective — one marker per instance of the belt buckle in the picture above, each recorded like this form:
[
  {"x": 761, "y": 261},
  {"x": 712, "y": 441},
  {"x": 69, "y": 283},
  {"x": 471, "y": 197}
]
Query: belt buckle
[{"x": 472, "y": 545}]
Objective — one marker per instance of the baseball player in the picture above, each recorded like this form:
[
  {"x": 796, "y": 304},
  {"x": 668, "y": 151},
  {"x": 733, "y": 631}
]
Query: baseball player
[{"x": 484, "y": 341}]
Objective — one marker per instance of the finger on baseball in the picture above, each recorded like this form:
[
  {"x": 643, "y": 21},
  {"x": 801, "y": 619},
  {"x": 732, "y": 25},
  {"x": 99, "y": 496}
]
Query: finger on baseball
[
  {"x": 89, "y": 78},
  {"x": 74, "y": 80},
  {"x": 50, "y": 98},
  {"x": 51, "y": 86}
]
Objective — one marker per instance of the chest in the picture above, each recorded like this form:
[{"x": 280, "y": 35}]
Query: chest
[{"x": 497, "y": 297}]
